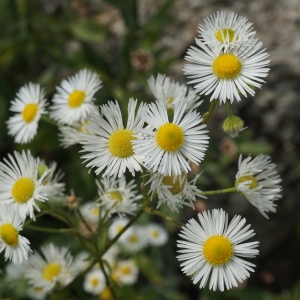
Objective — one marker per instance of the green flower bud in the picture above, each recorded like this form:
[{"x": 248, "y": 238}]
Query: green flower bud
[{"x": 233, "y": 125}]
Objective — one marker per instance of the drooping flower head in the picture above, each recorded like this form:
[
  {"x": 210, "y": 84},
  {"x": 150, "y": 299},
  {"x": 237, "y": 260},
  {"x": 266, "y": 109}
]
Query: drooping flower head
[
  {"x": 117, "y": 196},
  {"x": 211, "y": 250},
  {"x": 174, "y": 190},
  {"x": 171, "y": 92},
  {"x": 74, "y": 98},
  {"x": 29, "y": 105},
  {"x": 166, "y": 146},
  {"x": 257, "y": 180},
  {"x": 109, "y": 144}
]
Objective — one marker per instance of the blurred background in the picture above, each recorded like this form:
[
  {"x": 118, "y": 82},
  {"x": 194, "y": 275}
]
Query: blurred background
[{"x": 126, "y": 42}]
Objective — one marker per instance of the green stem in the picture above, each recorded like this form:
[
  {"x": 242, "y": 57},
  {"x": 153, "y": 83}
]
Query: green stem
[
  {"x": 229, "y": 112},
  {"x": 207, "y": 115},
  {"x": 224, "y": 191},
  {"x": 133, "y": 220},
  {"x": 51, "y": 230},
  {"x": 153, "y": 211},
  {"x": 82, "y": 219},
  {"x": 108, "y": 281},
  {"x": 48, "y": 120}
]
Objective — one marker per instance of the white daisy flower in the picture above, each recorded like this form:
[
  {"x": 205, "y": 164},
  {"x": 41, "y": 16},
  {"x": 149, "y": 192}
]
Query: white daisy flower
[
  {"x": 109, "y": 144},
  {"x": 20, "y": 185},
  {"x": 175, "y": 191},
  {"x": 91, "y": 212},
  {"x": 29, "y": 104},
  {"x": 16, "y": 247},
  {"x": 134, "y": 238},
  {"x": 126, "y": 272},
  {"x": 171, "y": 92},
  {"x": 117, "y": 225},
  {"x": 55, "y": 268},
  {"x": 212, "y": 248},
  {"x": 52, "y": 187},
  {"x": 157, "y": 235},
  {"x": 13, "y": 272},
  {"x": 73, "y": 101},
  {"x": 222, "y": 30},
  {"x": 81, "y": 261},
  {"x": 71, "y": 134},
  {"x": 94, "y": 282},
  {"x": 167, "y": 146},
  {"x": 117, "y": 196},
  {"x": 257, "y": 180},
  {"x": 225, "y": 75},
  {"x": 35, "y": 292}
]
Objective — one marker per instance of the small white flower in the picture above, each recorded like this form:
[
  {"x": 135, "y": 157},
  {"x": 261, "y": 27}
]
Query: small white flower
[
  {"x": 157, "y": 235},
  {"x": 171, "y": 92},
  {"x": 117, "y": 225},
  {"x": 81, "y": 261},
  {"x": 117, "y": 196},
  {"x": 37, "y": 293},
  {"x": 13, "y": 272},
  {"x": 212, "y": 248},
  {"x": 175, "y": 191},
  {"x": 222, "y": 30},
  {"x": 225, "y": 75},
  {"x": 134, "y": 238},
  {"x": 29, "y": 104},
  {"x": 167, "y": 146},
  {"x": 71, "y": 134},
  {"x": 55, "y": 268},
  {"x": 257, "y": 180},
  {"x": 91, "y": 212},
  {"x": 52, "y": 187},
  {"x": 126, "y": 272},
  {"x": 110, "y": 144},
  {"x": 94, "y": 282},
  {"x": 73, "y": 101},
  {"x": 15, "y": 246},
  {"x": 111, "y": 254},
  {"x": 19, "y": 183}
]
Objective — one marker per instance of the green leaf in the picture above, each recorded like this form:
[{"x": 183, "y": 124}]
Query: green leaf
[{"x": 88, "y": 31}]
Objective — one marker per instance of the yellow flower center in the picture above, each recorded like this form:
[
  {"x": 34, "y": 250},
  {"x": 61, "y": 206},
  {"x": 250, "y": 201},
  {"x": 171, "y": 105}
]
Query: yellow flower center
[
  {"x": 217, "y": 250},
  {"x": 154, "y": 233},
  {"x": 95, "y": 211},
  {"x": 94, "y": 282},
  {"x": 76, "y": 98},
  {"x": 9, "y": 234},
  {"x": 227, "y": 66},
  {"x": 227, "y": 32},
  {"x": 133, "y": 239},
  {"x": 38, "y": 289},
  {"x": 115, "y": 196},
  {"x": 253, "y": 183},
  {"x": 125, "y": 270},
  {"x": 106, "y": 294},
  {"x": 51, "y": 271},
  {"x": 176, "y": 186},
  {"x": 170, "y": 101},
  {"x": 82, "y": 129},
  {"x": 170, "y": 137},
  {"x": 119, "y": 228},
  {"x": 23, "y": 190},
  {"x": 29, "y": 112},
  {"x": 119, "y": 143}
]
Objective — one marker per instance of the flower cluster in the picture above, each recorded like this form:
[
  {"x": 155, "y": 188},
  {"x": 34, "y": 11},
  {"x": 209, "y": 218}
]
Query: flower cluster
[{"x": 160, "y": 142}]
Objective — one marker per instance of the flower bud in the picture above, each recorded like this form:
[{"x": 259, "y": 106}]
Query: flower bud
[{"x": 233, "y": 125}]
